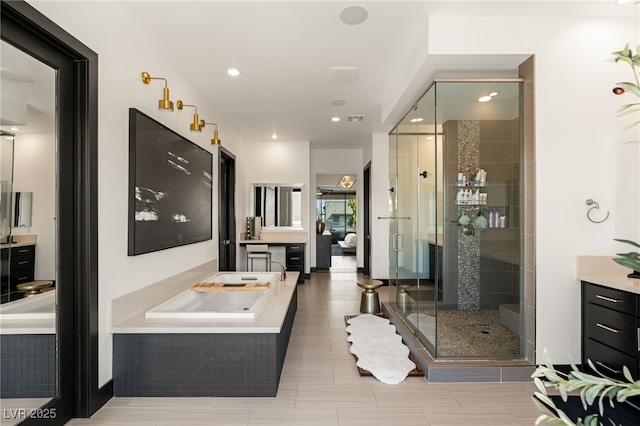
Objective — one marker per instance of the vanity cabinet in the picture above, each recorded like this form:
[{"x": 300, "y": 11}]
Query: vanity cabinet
[
  {"x": 610, "y": 330},
  {"x": 18, "y": 265},
  {"x": 295, "y": 260}
]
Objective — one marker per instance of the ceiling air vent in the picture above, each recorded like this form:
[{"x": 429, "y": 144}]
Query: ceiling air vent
[
  {"x": 355, "y": 118},
  {"x": 343, "y": 74}
]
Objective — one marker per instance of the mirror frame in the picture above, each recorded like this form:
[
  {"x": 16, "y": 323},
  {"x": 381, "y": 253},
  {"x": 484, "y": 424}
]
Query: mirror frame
[
  {"x": 77, "y": 124},
  {"x": 253, "y": 209}
]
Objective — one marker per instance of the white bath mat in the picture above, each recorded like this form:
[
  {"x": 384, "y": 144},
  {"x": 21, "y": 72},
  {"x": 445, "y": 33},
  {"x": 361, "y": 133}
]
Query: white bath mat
[{"x": 379, "y": 348}]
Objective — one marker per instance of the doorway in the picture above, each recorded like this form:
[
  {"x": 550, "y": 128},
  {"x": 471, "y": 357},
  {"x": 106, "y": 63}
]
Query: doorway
[
  {"x": 336, "y": 209},
  {"x": 226, "y": 211},
  {"x": 366, "y": 216}
]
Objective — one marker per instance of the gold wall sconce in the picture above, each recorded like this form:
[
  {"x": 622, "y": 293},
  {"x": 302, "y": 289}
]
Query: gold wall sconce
[
  {"x": 197, "y": 124},
  {"x": 164, "y": 104},
  {"x": 215, "y": 140}
]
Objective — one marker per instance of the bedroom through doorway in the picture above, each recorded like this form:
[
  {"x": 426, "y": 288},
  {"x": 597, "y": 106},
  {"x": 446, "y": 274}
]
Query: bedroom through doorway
[{"x": 336, "y": 209}]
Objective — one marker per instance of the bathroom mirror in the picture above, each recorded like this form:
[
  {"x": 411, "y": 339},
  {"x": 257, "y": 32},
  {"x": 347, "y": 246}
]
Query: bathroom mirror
[
  {"x": 279, "y": 205},
  {"x": 6, "y": 149},
  {"x": 29, "y": 362},
  {"x": 22, "y": 209}
]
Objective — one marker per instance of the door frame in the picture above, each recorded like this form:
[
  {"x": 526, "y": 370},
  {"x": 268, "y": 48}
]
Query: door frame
[
  {"x": 227, "y": 208},
  {"x": 77, "y": 239},
  {"x": 366, "y": 176}
]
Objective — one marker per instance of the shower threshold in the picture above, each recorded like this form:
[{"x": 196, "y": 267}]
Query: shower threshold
[{"x": 460, "y": 370}]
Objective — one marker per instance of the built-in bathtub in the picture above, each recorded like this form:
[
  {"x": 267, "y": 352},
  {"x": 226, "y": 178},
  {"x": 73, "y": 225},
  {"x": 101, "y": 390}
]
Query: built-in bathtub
[
  {"x": 234, "y": 296},
  {"x": 213, "y": 356},
  {"x": 36, "y": 307},
  {"x": 28, "y": 342}
]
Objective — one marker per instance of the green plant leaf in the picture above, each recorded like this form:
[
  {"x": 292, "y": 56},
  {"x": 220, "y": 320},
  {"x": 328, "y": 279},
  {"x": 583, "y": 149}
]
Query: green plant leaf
[
  {"x": 635, "y": 265},
  {"x": 544, "y": 398},
  {"x": 565, "y": 418},
  {"x": 631, "y": 255},
  {"x": 633, "y": 243},
  {"x": 626, "y": 110},
  {"x": 540, "y": 385},
  {"x": 629, "y": 87},
  {"x": 592, "y": 393},
  {"x": 627, "y": 373},
  {"x": 634, "y": 124},
  {"x": 626, "y": 106}
]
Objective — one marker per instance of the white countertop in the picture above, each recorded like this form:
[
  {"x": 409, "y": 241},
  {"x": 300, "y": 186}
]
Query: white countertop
[
  {"x": 278, "y": 236},
  {"x": 268, "y": 240},
  {"x": 602, "y": 270},
  {"x": 268, "y": 320}
]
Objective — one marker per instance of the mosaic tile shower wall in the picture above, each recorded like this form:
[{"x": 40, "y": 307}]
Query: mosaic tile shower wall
[{"x": 468, "y": 245}]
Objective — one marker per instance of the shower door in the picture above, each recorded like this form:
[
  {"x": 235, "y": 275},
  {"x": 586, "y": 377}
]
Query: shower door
[{"x": 413, "y": 221}]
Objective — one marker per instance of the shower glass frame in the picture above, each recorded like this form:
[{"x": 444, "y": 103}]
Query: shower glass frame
[{"x": 449, "y": 278}]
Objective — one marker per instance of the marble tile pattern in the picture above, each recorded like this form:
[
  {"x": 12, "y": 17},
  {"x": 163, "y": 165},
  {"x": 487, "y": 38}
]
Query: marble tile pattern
[{"x": 320, "y": 384}]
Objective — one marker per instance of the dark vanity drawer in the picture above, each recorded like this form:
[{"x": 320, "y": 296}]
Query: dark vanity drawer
[
  {"x": 607, "y": 360},
  {"x": 23, "y": 250},
  {"x": 295, "y": 248},
  {"x": 295, "y": 259},
  {"x": 618, "y": 300},
  {"x": 22, "y": 262},
  {"x": 614, "y": 329}
]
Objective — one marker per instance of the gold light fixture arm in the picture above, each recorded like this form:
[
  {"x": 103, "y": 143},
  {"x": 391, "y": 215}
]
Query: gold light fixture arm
[
  {"x": 197, "y": 124},
  {"x": 164, "y": 103},
  {"x": 215, "y": 140}
]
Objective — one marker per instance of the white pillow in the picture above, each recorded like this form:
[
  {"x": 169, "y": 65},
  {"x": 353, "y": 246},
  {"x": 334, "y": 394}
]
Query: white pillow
[{"x": 351, "y": 239}]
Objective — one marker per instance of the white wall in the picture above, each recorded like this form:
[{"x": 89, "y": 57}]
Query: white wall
[
  {"x": 379, "y": 206},
  {"x": 579, "y": 154},
  {"x": 34, "y": 171},
  {"x": 337, "y": 161},
  {"x": 279, "y": 162},
  {"x": 122, "y": 57}
]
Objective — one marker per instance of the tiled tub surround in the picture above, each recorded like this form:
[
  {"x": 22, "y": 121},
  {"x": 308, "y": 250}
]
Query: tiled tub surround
[
  {"x": 200, "y": 357},
  {"x": 28, "y": 348}
]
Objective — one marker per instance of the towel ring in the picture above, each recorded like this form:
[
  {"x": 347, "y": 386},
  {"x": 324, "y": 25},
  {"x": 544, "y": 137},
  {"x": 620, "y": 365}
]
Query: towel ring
[{"x": 595, "y": 206}]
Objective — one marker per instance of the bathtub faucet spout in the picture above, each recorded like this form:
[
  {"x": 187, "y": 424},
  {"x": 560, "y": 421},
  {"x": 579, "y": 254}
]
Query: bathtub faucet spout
[{"x": 283, "y": 270}]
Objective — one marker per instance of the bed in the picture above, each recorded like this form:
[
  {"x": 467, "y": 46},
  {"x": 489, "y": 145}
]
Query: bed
[{"x": 349, "y": 244}]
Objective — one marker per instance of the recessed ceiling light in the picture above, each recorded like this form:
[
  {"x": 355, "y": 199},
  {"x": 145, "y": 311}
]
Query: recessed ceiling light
[
  {"x": 484, "y": 98},
  {"x": 416, "y": 120},
  {"x": 15, "y": 129},
  {"x": 429, "y": 137},
  {"x": 492, "y": 94},
  {"x": 354, "y": 15},
  {"x": 233, "y": 72},
  {"x": 274, "y": 136},
  {"x": 336, "y": 119},
  {"x": 338, "y": 102}
]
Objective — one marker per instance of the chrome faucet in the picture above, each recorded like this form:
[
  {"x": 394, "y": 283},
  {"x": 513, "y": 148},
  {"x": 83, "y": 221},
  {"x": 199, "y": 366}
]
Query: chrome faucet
[{"x": 283, "y": 269}]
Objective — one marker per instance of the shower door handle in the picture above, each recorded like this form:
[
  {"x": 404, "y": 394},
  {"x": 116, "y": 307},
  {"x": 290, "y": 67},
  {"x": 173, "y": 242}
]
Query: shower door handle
[{"x": 397, "y": 238}]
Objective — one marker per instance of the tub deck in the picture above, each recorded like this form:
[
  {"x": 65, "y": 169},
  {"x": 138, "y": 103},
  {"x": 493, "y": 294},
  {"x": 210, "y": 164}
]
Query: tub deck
[{"x": 201, "y": 357}]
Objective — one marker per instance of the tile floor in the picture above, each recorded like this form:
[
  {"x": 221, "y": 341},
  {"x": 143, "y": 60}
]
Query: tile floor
[{"x": 320, "y": 384}]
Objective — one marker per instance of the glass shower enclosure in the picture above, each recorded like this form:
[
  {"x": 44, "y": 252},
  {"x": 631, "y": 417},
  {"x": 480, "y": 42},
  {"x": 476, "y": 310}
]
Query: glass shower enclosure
[{"x": 455, "y": 212}]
